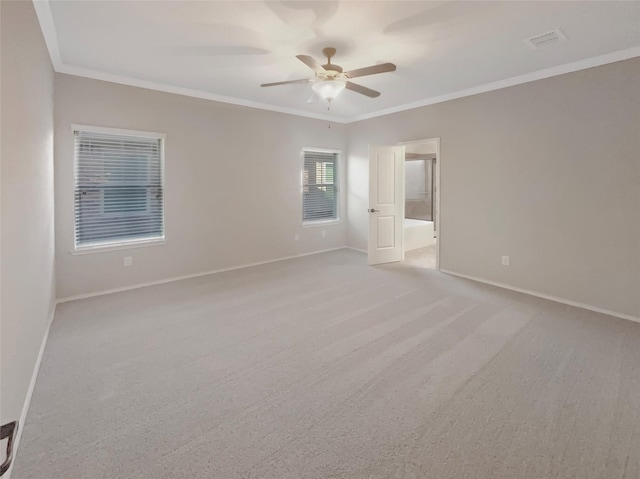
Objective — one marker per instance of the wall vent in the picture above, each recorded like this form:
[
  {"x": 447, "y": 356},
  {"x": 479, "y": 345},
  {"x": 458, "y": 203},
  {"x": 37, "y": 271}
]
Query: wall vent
[{"x": 546, "y": 39}]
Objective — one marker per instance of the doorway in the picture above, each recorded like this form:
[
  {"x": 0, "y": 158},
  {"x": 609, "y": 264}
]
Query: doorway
[
  {"x": 421, "y": 207},
  {"x": 389, "y": 240}
]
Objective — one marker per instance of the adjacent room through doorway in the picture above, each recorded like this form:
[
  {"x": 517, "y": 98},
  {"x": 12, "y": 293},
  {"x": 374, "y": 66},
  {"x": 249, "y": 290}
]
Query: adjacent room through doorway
[{"x": 419, "y": 223}]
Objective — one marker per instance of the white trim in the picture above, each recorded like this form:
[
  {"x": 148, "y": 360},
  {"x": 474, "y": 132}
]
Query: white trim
[
  {"x": 188, "y": 276},
  {"x": 508, "y": 82},
  {"x": 321, "y": 150},
  {"x": 48, "y": 27},
  {"x": 438, "y": 224},
  {"x": 190, "y": 92},
  {"x": 404, "y": 200},
  {"x": 546, "y": 296},
  {"x": 317, "y": 223},
  {"x": 359, "y": 250},
  {"x": 107, "y": 130},
  {"x": 32, "y": 384},
  {"x": 47, "y": 24},
  {"x": 105, "y": 248}
]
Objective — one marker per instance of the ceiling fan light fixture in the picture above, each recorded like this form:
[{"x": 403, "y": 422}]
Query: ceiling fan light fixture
[
  {"x": 330, "y": 79},
  {"x": 329, "y": 89}
]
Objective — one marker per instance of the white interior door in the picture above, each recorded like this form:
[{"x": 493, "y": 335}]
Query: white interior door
[{"x": 386, "y": 203}]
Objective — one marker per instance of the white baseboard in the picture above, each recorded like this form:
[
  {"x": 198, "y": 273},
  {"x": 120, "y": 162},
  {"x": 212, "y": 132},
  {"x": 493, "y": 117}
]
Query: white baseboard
[
  {"x": 188, "y": 276},
  {"x": 32, "y": 384},
  {"x": 357, "y": 249},
  {"x": 545, "y": 296}
]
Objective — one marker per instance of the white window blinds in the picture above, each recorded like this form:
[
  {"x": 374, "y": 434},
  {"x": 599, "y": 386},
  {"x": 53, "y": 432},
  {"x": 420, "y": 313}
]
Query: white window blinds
[
  {"x": 320, "y": 186},
  {"x": 118, "y": 189}
]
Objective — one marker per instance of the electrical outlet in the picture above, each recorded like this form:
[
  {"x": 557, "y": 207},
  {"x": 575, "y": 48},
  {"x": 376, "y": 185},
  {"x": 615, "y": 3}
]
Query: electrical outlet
[
  {"x": 324, "y": 234},
  {"x": 296, "y": 237},
  {"x": 128, "y": 260},
  {"x": 505, "y": 261}
]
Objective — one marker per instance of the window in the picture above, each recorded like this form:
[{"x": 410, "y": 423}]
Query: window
[
  {"x": 119, "y": 194},
  {"x": 320, "y": 186}
]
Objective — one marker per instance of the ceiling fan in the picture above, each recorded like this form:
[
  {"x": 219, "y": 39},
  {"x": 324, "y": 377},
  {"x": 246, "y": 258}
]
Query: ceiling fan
[{"x": 330, "y": 79}]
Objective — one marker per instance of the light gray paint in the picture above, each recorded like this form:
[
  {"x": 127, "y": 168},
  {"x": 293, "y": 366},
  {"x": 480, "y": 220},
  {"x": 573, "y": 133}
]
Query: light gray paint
[
  {"x": 233, "y": 184},
  {"x": 27, "y": 255},
  {"x": 546, "y": 172}
]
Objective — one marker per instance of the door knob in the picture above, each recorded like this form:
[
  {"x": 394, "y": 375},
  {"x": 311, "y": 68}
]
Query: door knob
[{"x": 373, "y": 210}]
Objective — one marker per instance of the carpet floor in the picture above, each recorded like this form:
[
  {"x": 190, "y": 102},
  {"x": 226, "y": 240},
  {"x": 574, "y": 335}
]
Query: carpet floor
[
  {"x": 323, "y": 367},
  {"x": 422, "y": 257}
]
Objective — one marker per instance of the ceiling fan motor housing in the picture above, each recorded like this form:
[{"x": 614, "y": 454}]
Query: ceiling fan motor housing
[{"x": 333, "y": 72}]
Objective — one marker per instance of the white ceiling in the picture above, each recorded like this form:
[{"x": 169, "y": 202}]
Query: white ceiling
[{"x": 225, "y": 49}]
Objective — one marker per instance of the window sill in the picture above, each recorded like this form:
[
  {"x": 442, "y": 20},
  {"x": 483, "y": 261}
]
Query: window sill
[
  {"x": 311, "y": 224},
  {"x": 118, "y": 246}
]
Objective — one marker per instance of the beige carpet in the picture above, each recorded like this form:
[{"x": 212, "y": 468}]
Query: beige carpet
[
  {"x": 421, "y": 257},
  {"x": 322, "y": 367}
]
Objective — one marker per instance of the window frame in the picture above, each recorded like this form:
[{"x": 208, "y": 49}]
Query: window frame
[
  {"x": 321, "y": 222},
  {"x": 118, "y": 244}
]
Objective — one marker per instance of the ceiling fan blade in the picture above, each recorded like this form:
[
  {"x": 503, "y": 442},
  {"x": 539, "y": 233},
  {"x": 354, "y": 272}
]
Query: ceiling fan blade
[
  {"x": 372, "y": 70},
  {"x": 311, "y": 63},
  {"x": 363, "y": 90},
  {"x": 304, "y": 80}
]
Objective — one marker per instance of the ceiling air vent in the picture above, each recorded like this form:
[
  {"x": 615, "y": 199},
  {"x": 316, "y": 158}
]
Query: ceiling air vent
[{"x": 546, "y": 39}]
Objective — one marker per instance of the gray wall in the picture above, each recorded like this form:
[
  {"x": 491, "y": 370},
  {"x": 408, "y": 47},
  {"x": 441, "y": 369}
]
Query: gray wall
[
  {"x": 233, "y": 184},
  {"x": 27, "y": 252},
  {"x": 546, "y": 172}
]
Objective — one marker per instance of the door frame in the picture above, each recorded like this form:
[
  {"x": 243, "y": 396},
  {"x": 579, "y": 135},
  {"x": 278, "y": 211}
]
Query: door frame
[{"x": 438, "y": 223}]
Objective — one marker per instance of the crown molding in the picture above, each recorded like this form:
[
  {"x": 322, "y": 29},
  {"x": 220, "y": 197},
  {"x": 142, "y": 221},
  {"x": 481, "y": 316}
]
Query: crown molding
[
  {"x": 149, "y": 85},
  {"x": 47, "y": 25},
  {"x": 45, "y": 18},
  {"x": 517, "y": 80}
]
